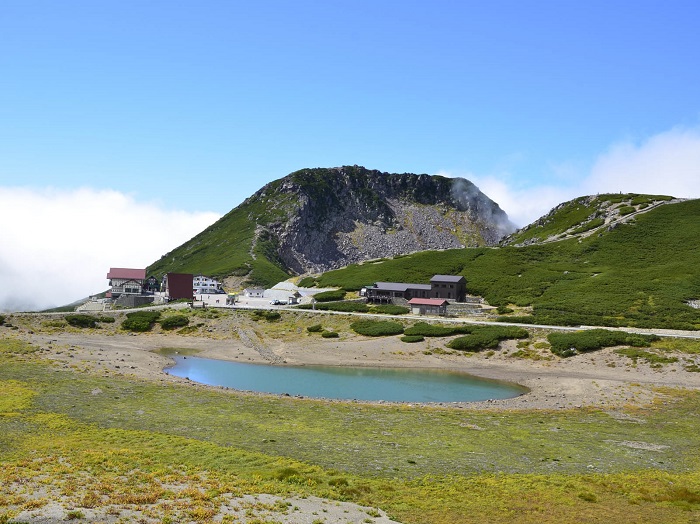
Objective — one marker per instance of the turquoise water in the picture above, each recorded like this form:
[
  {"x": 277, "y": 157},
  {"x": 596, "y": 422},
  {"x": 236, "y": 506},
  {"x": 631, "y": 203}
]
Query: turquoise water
[{"x": 372, "y": 384}]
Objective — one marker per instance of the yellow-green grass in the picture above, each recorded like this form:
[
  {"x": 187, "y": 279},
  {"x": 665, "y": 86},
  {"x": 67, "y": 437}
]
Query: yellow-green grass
[{"x": 177, "y": 449}]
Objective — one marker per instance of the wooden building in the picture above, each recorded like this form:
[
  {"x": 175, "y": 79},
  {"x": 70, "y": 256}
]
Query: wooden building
[
  {"x": 449, "y": 287},
  {"x": 125, "y": 281},
  {"x": 178, "y": 285},
  {"x": 386, "y": 292},
  {"x": 428, "y": 306}
]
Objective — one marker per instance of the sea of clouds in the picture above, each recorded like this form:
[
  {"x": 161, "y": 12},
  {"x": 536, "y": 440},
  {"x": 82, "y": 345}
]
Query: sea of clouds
[{"x": 57, "y": 245}]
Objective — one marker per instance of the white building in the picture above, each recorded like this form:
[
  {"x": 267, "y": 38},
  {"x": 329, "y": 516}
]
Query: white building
[
  {"x": 203, "y": 285},
  {"x": 254, "y": 292}
]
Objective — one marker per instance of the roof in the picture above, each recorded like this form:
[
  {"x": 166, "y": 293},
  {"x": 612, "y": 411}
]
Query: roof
[
  {"x": 398, "y": 286},
  {"x": 447, "y": 278},
  {"x": 122, "y": 272},
  {"x": 428, "y": 302}
]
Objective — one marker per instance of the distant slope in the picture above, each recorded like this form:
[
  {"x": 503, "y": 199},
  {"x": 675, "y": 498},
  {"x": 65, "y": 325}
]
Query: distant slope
[
  {"x": 318, "y": 219},
  {"x": 643, "y": 272},
  {"x": 584, "y": 216}
]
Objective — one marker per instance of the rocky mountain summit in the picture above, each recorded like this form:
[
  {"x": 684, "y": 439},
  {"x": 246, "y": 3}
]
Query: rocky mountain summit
[
  {"x": 350, "y": 214},
  {"x": 318, "y": 219}
]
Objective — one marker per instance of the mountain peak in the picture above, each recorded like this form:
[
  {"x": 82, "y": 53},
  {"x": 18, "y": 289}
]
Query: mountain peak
[{"x": 317, "y": 219}]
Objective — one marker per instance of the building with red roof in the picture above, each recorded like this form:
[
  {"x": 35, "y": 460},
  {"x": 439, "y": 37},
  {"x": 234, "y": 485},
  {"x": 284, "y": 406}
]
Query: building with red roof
[
  {"x": 428, "y": 306},
  {"x": 125, "y": 281}
]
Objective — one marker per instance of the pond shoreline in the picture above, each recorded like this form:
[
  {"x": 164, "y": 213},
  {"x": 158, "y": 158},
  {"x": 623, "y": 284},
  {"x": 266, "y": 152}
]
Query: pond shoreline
[
  {"x": 602, "y": 379},
  {"x": 345, "y": 383}
]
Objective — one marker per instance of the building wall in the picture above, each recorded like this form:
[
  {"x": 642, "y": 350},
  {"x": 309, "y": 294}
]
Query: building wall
[
  {"x": 449, "y": 290},
  {"x": 179, "y": 286}
]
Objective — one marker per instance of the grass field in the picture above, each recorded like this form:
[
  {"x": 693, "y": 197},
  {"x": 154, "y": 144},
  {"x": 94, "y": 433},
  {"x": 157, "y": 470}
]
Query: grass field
[{"x": 176, "y": 451}]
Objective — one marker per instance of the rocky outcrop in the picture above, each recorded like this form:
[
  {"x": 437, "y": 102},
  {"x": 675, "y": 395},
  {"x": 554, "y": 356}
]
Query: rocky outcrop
[{"x": 321, "y": 219}]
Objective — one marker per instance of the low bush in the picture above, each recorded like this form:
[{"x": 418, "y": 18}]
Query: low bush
[
  {"x": 174, "y": 321},
  {"x": 569, "y": 344},
  {"x": 270, "y": 316},
  {"x": 316, "y": 328},
  {"x": 330, "y": 296},
  {"x": 487, "y": 337},
  {"x": 345, "y": 307},
  {"x": 433, "y": 330},
  {"x": 106, "y": 320},
  {"x": 524, "y": 319},
  {"x": 329, "y": 334},
  {"x": 82, "y": 321},
  {"x": 58, "y": 323},
  {"x": 626, "y": 210},
  {"x": 140, "y": 321},
  {"x": 390, "y": 309},
  {"x": 2, "y": 320},
  {"x": 412, "y": 338},
  {"x": 377, "y": 328},
  {"x": 503, "y": 310},
  {"x": 591, "y": 224}
]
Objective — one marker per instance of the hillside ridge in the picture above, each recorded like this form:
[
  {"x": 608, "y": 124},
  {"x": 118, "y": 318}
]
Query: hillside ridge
[
  {"x": 318, "y": 219},
  {"x": 585, "y": 216}
]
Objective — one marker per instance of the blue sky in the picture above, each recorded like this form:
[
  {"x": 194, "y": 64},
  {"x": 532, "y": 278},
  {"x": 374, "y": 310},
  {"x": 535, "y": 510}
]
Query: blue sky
[{"x": 185, "y": 108}]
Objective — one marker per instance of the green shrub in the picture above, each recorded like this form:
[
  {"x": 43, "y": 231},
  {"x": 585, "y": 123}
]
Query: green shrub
[
  {"x": 270, "y": 316},
  {"x": 412, "y": 338},
  {"x": 106, "y": 320},
  {"x": 626, "y": 210},
  {"x": 329, "y": 334},
  {"x": 316, "y": 328},
  {"x": 569, "y": 344},
  {"x": 174, "y": 321},
  {"x": 390, "y": 309},
  {"x": 140, "y": 321},
  {"x": 524, "y": 319},
  {"x": 487, "y": 337},
  {"x": 377, "y": 328},
  {"x": 433, "y": 330},
  {"x": 591, "y": 224},
  {"x": 503, "y": 310},
  {"x": 82, "y": 321},
  {"x": 58, "y": 323},
  {"x": 307, "y": 282},
  {"x": 2, "y": 319},
  {"x": 345, "y": 307},
  {"x": 137, "y": 324},
  {"x": 330, "y": 296}
]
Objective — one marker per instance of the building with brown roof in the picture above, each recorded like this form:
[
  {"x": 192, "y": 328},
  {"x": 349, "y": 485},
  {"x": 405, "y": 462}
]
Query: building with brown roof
[{"x": 125, "y": 281}]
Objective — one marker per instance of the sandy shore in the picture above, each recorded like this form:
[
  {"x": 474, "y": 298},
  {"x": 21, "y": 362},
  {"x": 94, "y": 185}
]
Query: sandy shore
[{"x": 603, "y": 378}]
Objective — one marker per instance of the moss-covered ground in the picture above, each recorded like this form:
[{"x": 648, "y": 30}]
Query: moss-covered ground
[{"x": 174, "y": 451}]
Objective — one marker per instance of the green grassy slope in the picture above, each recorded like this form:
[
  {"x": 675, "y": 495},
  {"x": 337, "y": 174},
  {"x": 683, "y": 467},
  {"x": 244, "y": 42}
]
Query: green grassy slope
[
  {"x": 227, "y": 247},
  {"x": 638, "y": 274},
  {"x": 583, "y": 214}
]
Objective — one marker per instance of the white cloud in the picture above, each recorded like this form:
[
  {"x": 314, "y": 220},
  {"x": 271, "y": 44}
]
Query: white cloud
[
  {"x": 522, "y": 204},
  {"x": 667, "y": 163},
  {"x": 56, "y": 246}
]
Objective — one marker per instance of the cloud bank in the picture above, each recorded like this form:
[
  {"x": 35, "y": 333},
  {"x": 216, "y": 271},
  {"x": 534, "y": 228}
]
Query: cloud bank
[
  {"x": 664, "y": 164},
  {"x": 56, "y": 246}
]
